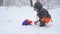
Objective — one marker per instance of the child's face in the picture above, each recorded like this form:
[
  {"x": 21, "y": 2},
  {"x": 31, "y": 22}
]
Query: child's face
[{"x": 37, "y": 0}]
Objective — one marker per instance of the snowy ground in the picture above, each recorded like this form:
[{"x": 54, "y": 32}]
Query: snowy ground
[{"x": 11, "y": 19}]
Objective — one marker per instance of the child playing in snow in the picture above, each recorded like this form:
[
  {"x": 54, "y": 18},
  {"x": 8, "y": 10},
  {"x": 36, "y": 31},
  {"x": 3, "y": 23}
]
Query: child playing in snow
[{"x": 44, "y": 16}]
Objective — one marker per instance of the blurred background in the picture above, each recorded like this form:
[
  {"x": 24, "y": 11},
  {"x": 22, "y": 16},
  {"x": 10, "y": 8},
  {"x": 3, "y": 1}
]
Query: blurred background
[{"x": 47, "y": 3}]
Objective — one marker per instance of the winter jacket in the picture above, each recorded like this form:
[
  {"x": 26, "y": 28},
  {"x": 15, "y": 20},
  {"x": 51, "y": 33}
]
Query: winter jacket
[{"x": 43, "y": 13}]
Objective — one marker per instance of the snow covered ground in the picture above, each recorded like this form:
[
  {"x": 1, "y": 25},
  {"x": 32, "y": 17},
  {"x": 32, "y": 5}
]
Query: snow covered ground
[{"x": 11, "y": 19}]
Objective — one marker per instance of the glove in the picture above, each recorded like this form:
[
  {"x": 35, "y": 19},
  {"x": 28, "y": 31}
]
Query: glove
[{"x": 35, "y": 22}]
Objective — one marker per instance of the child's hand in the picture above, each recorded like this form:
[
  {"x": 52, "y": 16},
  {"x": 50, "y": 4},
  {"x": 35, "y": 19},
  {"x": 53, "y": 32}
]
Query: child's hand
[{"x": 35, "y": 22}]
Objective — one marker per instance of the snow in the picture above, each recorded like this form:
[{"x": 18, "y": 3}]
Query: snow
[{"x": 11, "y": 19}]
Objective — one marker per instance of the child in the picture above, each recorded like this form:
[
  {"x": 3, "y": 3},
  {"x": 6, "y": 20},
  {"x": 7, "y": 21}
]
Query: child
[{"x": 44, "y": 16}]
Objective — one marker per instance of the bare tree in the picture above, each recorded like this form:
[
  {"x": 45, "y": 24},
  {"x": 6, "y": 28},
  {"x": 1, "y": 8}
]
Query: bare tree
[
  {"x": 1, "y": 2},
  {"x": 31, "y": 3}
]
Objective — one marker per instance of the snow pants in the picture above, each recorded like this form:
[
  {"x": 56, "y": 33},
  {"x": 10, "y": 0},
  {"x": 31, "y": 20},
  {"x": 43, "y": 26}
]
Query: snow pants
[{"x": 42, "y": 23}]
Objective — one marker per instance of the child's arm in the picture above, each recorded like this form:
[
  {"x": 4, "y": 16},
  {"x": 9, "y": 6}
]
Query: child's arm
[{"x": 36, "y": 22}]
